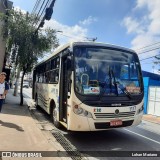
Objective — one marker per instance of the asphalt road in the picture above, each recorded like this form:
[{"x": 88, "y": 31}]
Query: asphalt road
[{"x": 145, "y": 137}]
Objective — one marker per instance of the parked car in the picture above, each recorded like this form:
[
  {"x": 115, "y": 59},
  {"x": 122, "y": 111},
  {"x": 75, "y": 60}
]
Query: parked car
[{"x": 25, "y": 84}]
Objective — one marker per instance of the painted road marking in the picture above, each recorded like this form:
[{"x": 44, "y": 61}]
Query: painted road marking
[{"x": 143, "y": 136}]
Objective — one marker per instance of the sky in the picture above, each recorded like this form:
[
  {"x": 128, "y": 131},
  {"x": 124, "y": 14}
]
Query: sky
[{"x": 133, "y": 24}]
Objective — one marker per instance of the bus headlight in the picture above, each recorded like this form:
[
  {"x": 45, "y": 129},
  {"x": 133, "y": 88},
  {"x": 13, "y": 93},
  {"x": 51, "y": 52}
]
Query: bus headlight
[
  {"x": 140, "y": 110},
  {"x": 79, "y": 110},
  {"x": 82, "y": 112}
]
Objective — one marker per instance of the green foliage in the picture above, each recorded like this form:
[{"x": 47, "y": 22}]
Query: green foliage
[{"x": 24, "y": 43}]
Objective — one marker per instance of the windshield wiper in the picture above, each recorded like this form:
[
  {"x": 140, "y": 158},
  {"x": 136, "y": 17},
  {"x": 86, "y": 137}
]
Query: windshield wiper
[
  {"x": 123, "y": 89},
  {"x": 105, "y": 83},
  {"x": 115, "y": 84},
  {"x": 111, "y": 74}
]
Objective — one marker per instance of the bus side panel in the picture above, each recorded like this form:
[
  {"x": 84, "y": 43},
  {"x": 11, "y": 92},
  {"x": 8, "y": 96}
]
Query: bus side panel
[
  {"x": 48, "y": 93},
  {"x": 42, "y": 95},
  {"x": 54, "y": 96}
]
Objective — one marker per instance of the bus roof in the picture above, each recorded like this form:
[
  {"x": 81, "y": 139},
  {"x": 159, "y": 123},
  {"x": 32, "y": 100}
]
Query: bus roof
[{"x": 89, "y": 43}]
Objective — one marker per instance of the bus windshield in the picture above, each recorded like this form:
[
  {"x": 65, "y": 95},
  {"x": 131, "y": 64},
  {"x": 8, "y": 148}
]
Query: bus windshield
[{"x": 110, "y": 72}]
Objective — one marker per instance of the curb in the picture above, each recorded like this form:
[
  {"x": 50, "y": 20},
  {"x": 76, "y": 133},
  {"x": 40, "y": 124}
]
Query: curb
[{"x": 151, "y": 118}]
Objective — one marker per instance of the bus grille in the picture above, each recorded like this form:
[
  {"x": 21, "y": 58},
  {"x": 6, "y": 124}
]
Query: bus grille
[{"x": 113, "y": 115}]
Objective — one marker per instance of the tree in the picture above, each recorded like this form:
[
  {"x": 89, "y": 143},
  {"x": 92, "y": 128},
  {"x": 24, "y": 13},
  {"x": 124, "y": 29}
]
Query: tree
[{"x": 26, "y": 43}]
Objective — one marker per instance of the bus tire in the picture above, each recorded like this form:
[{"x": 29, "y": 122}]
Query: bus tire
[{"x": 53, "y": 115}]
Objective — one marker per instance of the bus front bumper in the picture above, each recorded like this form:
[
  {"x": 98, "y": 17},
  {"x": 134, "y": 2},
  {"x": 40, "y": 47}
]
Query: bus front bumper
[
  {"x": 89, "y": 124},
  {"x": 105, "y": 124}
]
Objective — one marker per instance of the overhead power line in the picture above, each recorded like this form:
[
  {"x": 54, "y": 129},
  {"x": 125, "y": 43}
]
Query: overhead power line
[
  {"x": 40, "y": 8},
  {"x": 146, "y": 58},
  {"x": 147, "y": 63},
  {"x": 36, "y": 6},
  {"x": 74, "y": 37},
  {"x": 37, "y": 18},
  {"x": 149, "y": 50},
  {"x": 147, "y": 46},
  {"x": 68, "y": 35},
  {"x": 44, "y": 8},
  {"x": 47, "y": 15},
  {"x": 149, "y": 57}
]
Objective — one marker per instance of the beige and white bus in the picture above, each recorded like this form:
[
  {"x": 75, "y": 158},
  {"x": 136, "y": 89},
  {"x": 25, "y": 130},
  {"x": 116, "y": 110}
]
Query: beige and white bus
[{"x": 88, "y": 86}]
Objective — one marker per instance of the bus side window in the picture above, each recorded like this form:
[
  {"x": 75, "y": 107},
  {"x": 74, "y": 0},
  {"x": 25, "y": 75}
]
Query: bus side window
[
  {"x": 51, "y": 76},
  {"x": 57, "y": 76},
  {"x": 41, "y": 78},
  {"x": 53, "y": 64},
  {"x": 48, "y": 66},
  {"x": 54, "y": 76},
  {"x": 46, "y": 78}
]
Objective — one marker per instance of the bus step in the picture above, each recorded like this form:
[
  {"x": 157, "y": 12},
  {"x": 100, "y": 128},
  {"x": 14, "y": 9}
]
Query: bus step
[{"x": 64, "y": 124}]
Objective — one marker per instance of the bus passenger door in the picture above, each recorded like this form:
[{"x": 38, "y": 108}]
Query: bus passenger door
[{"x": 63, "y": 90}]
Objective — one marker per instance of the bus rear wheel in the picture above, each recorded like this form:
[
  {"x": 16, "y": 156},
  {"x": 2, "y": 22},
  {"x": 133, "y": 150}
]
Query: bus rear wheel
[{"x": 54, "y": 118}]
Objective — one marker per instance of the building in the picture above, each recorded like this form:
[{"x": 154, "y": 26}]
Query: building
[
  {"x": 151, "y": 93},
  {"x": 4, "y": 5}
]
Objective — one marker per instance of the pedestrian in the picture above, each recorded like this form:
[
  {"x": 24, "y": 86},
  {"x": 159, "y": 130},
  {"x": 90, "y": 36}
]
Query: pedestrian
[
  {"x": 3, "y": 88},
  {"x": 10, "y": 84}
]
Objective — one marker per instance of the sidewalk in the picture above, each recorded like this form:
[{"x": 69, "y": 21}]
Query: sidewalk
[
  {"x": 18, "y": 130},
  {"x": 151, "y": 118}
]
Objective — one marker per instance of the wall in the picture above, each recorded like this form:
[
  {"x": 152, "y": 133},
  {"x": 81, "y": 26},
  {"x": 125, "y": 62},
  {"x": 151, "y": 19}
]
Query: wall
[
  {"x": 154, "y": 83},
  {"x": 149, "y": 82}
]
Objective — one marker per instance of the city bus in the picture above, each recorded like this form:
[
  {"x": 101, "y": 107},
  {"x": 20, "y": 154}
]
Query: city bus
[{"x": 90, "y": 86}]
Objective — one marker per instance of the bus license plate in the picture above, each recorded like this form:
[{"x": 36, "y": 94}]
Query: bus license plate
[{"x": 116, "y": 123}]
